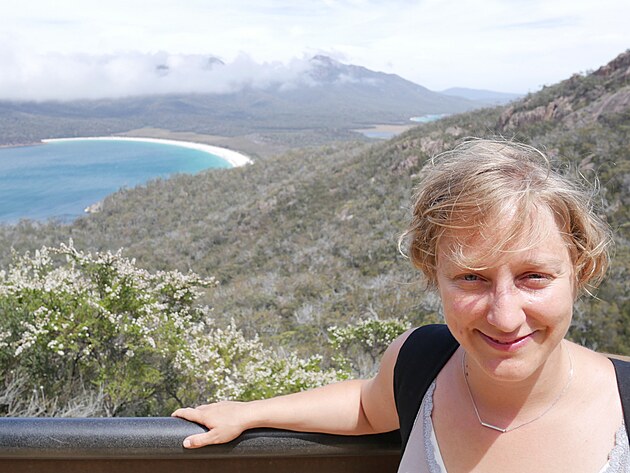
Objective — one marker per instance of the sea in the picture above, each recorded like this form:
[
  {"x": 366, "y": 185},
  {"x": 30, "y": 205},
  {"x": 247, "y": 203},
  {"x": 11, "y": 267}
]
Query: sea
[
  {"x": 428, "y": 118},
  {"x": 59, "y": 180}
]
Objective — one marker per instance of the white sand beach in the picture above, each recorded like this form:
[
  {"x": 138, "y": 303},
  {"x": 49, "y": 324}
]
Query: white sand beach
[{"x": 233, "y": 157}]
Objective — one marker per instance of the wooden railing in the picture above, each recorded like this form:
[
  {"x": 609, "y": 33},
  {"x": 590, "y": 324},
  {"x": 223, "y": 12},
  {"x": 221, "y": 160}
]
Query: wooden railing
[{"x": 154, "y": 445}]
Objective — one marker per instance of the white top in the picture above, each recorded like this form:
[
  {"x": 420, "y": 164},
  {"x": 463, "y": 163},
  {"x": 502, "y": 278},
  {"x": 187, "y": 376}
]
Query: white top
[{"x": 422, "y": 454}]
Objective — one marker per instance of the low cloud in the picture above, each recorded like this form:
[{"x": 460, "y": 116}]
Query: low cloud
[{"x": 80, "y": 76}]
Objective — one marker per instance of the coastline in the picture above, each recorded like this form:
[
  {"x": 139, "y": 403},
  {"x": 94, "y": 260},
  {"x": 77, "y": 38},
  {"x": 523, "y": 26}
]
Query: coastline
[{"x": 235, "y": 158}]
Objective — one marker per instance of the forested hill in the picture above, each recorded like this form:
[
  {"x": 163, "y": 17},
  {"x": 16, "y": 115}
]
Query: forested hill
[{"x": 308, "y": 239}]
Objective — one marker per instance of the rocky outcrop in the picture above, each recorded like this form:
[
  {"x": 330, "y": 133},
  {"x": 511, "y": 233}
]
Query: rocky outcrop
[
  {"x": 403, "y": 167},
  {"x": 608, "y": 104},
  {"x": 430, "y": 145},
  {"x": 94, "y": 208},
  {"x": 554, "y": 110},
  {"x": 618, "y": 66},
  {"x": 577, "y": 100},
  {"x": 612, "y": 103}
]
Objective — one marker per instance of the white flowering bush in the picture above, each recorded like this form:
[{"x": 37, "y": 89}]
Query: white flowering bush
[
  {"x": 76, "y": 325},
  {"x": 223, "y": 364},
  {"x": 361, "y": 345}
]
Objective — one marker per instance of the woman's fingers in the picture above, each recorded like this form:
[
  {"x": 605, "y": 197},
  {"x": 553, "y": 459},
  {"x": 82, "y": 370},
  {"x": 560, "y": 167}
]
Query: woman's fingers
[
  {"x": 200, "y": 440},
  {"x": 191, "y": 414},
  {"x": 212, "y": 437},
  {"x": 220, "y": 423}
]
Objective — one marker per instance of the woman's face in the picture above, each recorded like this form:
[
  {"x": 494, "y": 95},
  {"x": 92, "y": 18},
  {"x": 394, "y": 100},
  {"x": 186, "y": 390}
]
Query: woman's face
[{"x": 512, "y": 316}]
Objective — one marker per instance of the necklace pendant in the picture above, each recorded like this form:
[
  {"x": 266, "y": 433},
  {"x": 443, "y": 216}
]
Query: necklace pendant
[
  {"x": 494, "y": 427},
  {"x": 510, "y": 429}
]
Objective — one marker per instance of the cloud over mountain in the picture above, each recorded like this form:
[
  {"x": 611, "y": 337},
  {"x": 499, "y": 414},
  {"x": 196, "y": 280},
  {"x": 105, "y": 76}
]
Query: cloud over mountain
[{"x": 80, "y": 76}]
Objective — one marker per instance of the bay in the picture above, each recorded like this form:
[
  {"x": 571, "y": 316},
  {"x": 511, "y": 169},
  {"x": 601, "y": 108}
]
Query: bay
[{"x": 60, "y": 179}]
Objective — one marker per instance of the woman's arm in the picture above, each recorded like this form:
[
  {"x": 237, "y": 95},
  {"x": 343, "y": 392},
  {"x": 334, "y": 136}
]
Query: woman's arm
[{"x": 353, "y": 407}]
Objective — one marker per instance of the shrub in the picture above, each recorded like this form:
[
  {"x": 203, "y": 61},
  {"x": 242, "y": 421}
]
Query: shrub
[{"x": 361, "y": 345}]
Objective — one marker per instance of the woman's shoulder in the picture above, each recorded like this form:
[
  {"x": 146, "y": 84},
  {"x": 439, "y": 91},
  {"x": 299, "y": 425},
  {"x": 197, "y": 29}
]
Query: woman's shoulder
[
  {"x": 595, "y": 396},
  {"x": 599, "y": 362},
  {"x": 594, "y": 366},
  {"x": 598, "y": 380}
]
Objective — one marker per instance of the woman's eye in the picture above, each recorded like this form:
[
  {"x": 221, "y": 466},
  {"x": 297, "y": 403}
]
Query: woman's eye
[
  {"x": 535, "y": 276},
  {"x": 470, "y": 277},
  {"x": 537, "y": 280}
]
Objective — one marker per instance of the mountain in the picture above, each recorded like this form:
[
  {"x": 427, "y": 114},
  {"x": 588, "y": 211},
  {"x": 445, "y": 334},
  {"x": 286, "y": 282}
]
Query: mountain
[
  {"x": 307, "y": 239},
  {"x": 373, "y": 89},
  {"x": 487, "y": 97},
  {"x": 327, "y": 96}
]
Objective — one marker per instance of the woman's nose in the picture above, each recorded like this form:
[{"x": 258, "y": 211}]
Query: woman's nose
[{"x": 505, "y": 311}]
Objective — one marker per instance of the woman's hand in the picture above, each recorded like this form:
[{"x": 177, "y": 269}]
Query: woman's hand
[
  {"x": 352, "y": 407},
  {"x": 225, "y": 421}
]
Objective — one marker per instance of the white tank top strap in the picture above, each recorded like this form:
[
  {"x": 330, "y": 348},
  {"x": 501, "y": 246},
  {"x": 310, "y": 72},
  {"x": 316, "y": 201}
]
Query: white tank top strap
[{"x": 422, "y": 454}]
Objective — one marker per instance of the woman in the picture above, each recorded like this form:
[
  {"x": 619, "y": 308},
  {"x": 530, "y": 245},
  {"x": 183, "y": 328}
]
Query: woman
[{"x": 509, "y": 245}]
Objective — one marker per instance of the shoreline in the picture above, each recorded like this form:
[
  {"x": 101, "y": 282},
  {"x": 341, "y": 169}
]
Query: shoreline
[{"x": 235, "y": 158}]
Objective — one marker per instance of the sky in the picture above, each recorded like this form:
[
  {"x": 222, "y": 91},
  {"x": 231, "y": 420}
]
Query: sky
[{"x": 66, "y": 49}]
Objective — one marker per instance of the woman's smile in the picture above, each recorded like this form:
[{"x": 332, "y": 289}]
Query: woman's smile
[{"x": 507, "y": 344}]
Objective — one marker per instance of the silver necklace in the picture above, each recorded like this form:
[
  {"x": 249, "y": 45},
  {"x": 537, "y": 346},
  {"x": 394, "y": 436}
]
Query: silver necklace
[{"x": 509, "y": 429}]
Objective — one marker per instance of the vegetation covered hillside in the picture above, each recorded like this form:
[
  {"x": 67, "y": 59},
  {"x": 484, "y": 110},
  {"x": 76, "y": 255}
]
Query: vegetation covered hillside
[{"x": 308, "y": 239}]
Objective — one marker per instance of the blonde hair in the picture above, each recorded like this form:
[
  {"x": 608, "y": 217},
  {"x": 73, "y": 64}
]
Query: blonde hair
[{"x": 482, "y": 183}]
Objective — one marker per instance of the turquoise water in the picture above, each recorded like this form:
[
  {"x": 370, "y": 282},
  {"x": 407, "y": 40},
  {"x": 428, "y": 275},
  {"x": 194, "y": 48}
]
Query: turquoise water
[
  {"x": 60, "y": 179},
  {"x": 428, "y": 118}
]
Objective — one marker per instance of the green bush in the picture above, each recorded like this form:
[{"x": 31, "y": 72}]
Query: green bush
[{"x": 359, "y": 346}]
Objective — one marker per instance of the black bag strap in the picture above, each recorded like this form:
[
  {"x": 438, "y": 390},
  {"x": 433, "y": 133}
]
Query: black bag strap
[
  {"x": 622, "y": 370},
  {"x": 421, "y": 357}
]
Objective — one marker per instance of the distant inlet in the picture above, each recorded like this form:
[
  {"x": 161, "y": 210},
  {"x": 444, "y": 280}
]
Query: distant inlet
[
  {"x": 234, "y": 158},
  {"x": 429, "y": 118}
]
